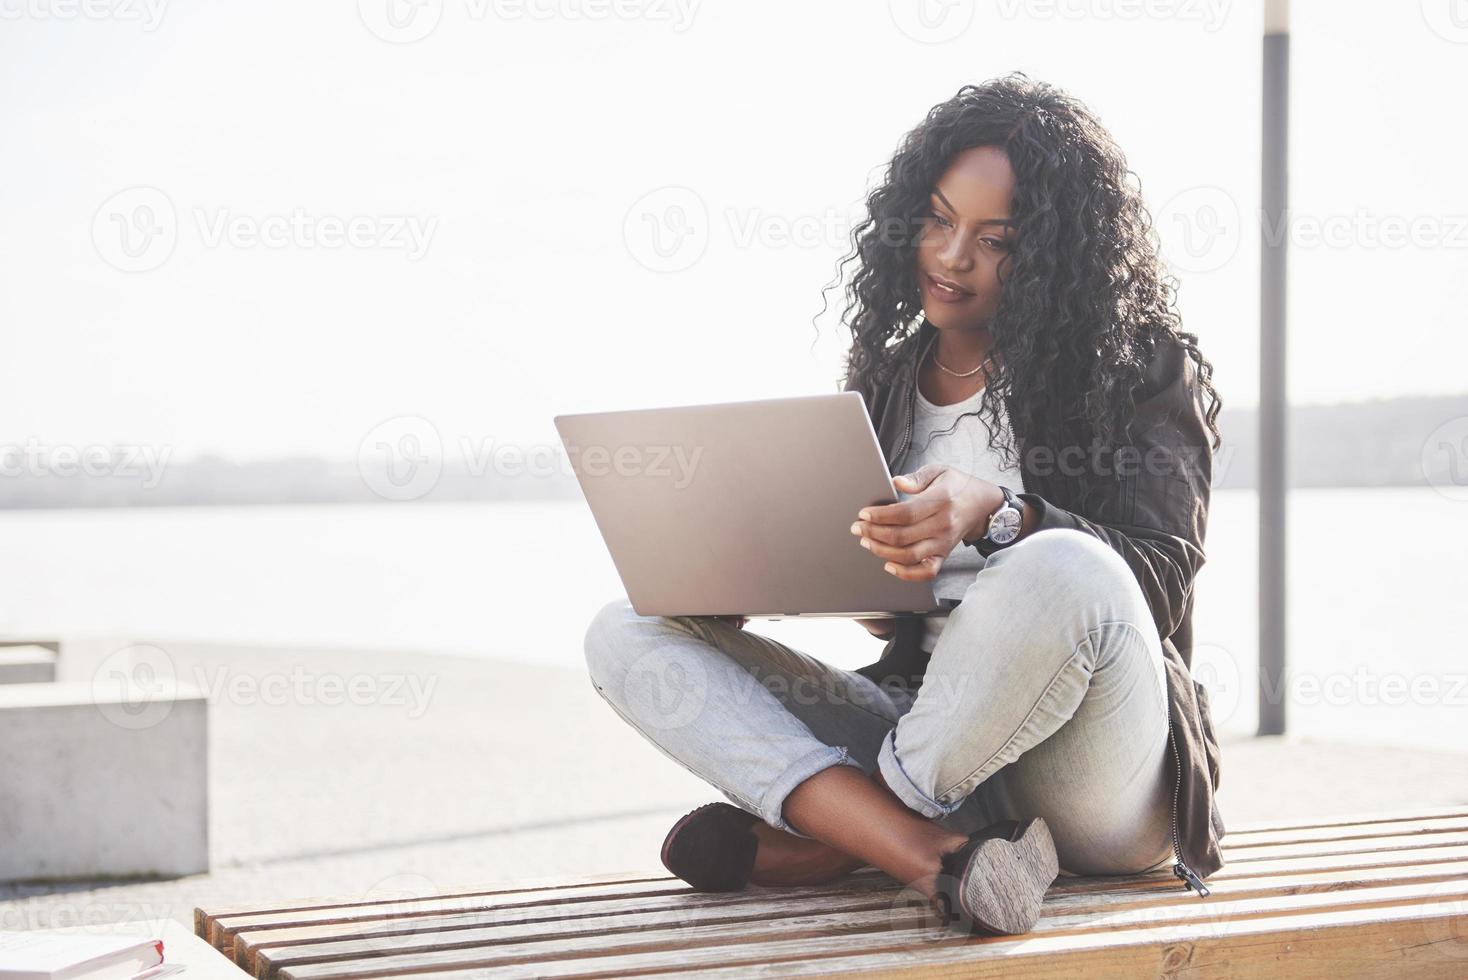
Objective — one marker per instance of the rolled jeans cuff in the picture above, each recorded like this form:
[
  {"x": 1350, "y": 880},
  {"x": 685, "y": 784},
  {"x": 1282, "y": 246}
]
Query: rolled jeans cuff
[
  {"x": 902, "y": 785},
  {"x": 773, "y": 804}
]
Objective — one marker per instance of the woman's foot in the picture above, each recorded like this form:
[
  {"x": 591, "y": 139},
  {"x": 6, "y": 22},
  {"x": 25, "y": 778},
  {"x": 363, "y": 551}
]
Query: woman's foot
[
  {"x": 719, "y": 847},
  {"x": 996, "y": 881}
]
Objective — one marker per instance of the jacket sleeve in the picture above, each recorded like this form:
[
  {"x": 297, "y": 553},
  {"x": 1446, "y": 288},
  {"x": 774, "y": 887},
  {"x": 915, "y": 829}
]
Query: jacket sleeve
[{"x": 1155, "y": 519}]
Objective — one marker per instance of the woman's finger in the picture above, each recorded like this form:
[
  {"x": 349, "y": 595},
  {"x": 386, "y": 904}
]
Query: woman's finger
[
  {"x": 909, "y": 554},
  {"x": 924, "y": 571},
  {"x": 898, "y": 535}
]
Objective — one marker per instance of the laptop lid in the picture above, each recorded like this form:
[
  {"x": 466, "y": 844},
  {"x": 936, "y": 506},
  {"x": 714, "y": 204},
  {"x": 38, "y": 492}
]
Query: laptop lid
[{"x": 741, "y": 508}]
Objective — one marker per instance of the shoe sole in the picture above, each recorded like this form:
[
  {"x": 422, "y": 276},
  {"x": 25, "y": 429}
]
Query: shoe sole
[{"x": 1004, "y": 882}]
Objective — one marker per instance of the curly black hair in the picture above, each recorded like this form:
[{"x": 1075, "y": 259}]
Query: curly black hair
[{"x": 1084, "y": 297}]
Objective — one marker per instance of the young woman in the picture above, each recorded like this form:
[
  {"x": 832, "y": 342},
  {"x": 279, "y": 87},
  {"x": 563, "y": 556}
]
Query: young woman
[{"x": 1016, "y": 343}]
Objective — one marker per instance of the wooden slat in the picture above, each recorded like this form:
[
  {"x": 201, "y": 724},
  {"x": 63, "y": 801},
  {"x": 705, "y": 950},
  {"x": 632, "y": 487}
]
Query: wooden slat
[
  {"x": 922, "y": 946},
  {"x": 1445, "y": 862},
  {"x": 1080, "y": 912},
  {"x": 1386, "y": 816},
  {"x": 1387, "y": 889},
  {"x": 1348, "y": 832}
]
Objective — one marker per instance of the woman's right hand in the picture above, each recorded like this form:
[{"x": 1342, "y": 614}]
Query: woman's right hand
[{"x": 879, "y": 627}]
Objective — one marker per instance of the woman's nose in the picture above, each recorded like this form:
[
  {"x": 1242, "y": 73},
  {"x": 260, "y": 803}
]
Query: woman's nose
[{"x": 954, "y": 257}]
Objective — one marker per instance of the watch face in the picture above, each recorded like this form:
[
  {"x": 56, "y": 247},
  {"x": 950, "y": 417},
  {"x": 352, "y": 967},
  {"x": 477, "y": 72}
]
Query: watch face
[{"x": 1006, "y": 527}]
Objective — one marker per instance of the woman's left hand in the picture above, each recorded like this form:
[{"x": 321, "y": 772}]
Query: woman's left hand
[{"x": 915, "y": 535}]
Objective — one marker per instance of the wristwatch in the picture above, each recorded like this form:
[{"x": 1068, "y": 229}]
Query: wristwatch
[{"x": 1004, "y": 525}]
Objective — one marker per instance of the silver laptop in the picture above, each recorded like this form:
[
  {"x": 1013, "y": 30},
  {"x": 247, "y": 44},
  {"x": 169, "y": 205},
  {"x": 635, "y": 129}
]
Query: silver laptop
[{"x": 741, "y": 508}]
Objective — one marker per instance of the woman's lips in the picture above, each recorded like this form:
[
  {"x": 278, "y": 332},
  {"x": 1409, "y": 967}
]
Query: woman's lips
[{"x": 942, "y": 293}]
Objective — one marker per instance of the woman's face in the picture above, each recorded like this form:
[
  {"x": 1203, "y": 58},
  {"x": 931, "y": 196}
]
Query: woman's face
[{"x": 965, "y": 234}]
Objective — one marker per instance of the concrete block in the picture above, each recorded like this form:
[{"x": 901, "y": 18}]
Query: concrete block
[
  {"x": 81, "y": 657},
  {"x": 12, "y": 640},
  {"x": 101, "y": 780},
  {"x": 26, "y": 665}
]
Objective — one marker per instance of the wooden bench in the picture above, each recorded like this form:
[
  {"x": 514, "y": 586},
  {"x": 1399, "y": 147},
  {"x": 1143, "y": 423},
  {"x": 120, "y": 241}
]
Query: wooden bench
[{"x": 1382, "y": 895}]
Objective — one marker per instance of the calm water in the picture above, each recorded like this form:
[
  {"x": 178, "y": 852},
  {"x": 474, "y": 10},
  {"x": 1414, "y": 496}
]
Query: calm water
[{"x": 1376, "y": 633}]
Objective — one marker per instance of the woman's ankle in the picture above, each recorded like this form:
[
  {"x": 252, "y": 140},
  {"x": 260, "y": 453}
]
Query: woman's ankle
[{"x": 786, "y": 859}]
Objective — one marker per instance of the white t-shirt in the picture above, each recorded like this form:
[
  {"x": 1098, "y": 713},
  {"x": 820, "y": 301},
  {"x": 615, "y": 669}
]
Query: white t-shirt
[{"x": 965, "y": 448}]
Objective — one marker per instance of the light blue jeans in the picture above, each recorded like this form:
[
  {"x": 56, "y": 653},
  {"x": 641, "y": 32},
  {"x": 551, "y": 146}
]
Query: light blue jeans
[{"x": 1044, "y": 696}]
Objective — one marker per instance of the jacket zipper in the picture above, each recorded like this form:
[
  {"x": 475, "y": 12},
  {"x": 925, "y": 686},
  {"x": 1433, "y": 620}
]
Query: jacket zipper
[{"x": 1180, "y": 868}]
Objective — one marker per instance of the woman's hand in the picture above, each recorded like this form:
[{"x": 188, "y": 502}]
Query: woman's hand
[
  {"x": 878, "y": 627},
  {"x": 735, "y": 621},
  {"x": 914, "y": 536}
]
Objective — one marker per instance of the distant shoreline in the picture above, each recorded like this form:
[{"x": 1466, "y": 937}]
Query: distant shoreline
[{"x": 1399, "y": 442}]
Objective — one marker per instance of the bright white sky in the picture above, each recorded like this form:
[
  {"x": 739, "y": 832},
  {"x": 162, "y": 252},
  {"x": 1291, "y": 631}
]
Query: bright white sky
[{"x": 525, "y": 144}]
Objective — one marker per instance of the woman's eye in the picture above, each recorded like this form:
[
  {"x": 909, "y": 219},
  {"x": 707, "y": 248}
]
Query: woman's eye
[
  {"x": 939, "y": 218},
  {"x": 996, "y": 243}
]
